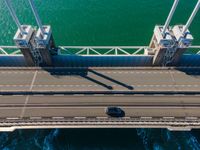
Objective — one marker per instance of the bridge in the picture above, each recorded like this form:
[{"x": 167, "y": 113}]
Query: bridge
[{"x": 47, "y": 86}]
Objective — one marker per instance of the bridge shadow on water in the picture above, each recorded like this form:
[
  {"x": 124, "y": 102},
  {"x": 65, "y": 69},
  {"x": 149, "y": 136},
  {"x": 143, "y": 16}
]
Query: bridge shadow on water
[{"x": 88, "y": 74}]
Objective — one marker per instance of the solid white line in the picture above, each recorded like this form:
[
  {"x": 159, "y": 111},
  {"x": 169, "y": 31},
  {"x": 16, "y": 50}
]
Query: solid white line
[
  {"x": 33, "y": 81},
  {"x": 27, "y": 98}
]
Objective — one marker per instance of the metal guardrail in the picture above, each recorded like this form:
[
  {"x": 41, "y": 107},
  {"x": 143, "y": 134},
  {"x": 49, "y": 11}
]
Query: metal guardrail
[
  {"x": 93, "y": 50},
  {"x": 171, "y": 123}
]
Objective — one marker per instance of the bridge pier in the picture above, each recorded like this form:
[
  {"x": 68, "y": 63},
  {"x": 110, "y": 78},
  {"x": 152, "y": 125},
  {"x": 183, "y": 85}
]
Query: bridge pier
[
  {"x": 43, "y": 39},
  {"x": 183, "y": 36},
  {"x": 44, "y": 44},
  {"x": 25, "y": 43},
  {"x": 169, "y": 44},
  {"x": 183, "y": 42},
  {"x": 161, "y": 44},
  {"x": 23, "y": 37}
]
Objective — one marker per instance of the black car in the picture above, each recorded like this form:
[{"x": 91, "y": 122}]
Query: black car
[{"x": 115, "y": 112}]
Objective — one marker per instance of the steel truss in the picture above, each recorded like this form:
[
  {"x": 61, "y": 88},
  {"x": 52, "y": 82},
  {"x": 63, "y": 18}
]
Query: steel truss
[{"x": 92, "y": 50}]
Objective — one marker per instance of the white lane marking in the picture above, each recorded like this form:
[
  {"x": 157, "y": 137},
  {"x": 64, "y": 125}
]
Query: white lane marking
[
  {"x": 168, "y": 117},
  {"x": 191, "y": 118},
  {"x": 102, "y": 117},
  {"x": 79, "y": 117},
  {"x": 107, "y": 72},
  {"x": 126, "y": 117},
  {"x": 12, "y": 118},
  {"x": 32, "y": 118},
  {"x": 58, "y": 117},
  {"x": 33, "y": 81},
  {"x": 146, "y": 117},
  {"x": 27, "y": 97},
  {"x": 172, "y": 77}
]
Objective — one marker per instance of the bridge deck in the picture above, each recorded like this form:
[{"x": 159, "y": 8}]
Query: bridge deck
[
  {"x": 77, "y": 110},
  {"x": 99, "y": 80}
]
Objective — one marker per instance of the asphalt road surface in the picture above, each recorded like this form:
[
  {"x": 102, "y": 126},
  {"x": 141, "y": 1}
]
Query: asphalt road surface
[
  {"x": 54, "y": 106},
  {"x": 107, "y": 79},
  {"x": 94, "y": 106}
]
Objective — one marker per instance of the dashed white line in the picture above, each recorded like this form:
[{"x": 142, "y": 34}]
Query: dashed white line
[
  {"x": 168, "y": 117},
  {"x": 12, "y": 118},
  {"x": 102, "y": 117},
  {"x": 146, "y": 117},
  {"x": 191, "y": 118},
  {"x": 33, "y": 118},
  {"x": 79, "y": 117},
  {"x": 57, "y": 117}
]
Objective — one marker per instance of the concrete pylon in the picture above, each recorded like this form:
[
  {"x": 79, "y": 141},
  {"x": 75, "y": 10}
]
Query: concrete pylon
[
  {"x": 160, "y": 45},
  {"x": 23, "y": 37},
  {"x": 183, "y": 36},
  {"x": 162, "y": 42},
  {"x": 44, "y": 41}
]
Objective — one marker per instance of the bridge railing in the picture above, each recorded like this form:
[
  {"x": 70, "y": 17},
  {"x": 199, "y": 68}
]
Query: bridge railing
[
  {"x": 94, "y": 50},
  {"x": 101, "y": 50}
]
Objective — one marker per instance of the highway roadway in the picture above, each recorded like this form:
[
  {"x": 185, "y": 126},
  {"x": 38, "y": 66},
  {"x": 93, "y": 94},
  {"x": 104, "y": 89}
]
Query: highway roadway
[
  {"x": 104, "y": 79},
  {"x": 94, "y": 106},
  {"x": 34, "y": 108}
]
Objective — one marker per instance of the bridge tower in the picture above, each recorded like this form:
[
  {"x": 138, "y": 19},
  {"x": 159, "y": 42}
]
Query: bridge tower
[
  {"x": 168, "y": 44},
  {"x": 23, "y": 37},
  {"x": 183, "y": 36},
  {"x": 163, "y": 43},
  {"x": 44, "y": 42},
  {"x": 35, "y": 45}
]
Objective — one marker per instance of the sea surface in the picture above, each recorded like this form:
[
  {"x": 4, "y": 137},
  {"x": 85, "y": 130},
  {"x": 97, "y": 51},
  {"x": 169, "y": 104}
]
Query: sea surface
[{"x": 102, "y": 23}]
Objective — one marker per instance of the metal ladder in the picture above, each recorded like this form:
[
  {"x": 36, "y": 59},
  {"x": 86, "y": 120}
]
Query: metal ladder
[
  {"x": 35, "y": 52},
  {"x": 37, "y": 56},
  {"x": 169, "y": 55}
]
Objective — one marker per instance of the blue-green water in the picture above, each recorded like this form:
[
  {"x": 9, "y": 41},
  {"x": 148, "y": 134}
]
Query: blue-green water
[
  {"x": 99, "y": 22},
  {"x": 99, "y": 139}
]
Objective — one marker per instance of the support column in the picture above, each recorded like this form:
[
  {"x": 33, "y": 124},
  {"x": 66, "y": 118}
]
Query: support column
[
  {"x": 160, "y": 45},
  {"x": 45, "y": 44},
  {"x": 23, "y": 36},
  {"x": 183, "y": 36},
  {"x": 182, "y": 43},
  {"x": 24, "y": 42},
  {"x": 43, "y": 40},
  {"x": 162, "y": 42}
]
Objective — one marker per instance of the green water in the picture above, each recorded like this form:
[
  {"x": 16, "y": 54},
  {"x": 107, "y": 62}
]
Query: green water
[{"x": 99, "y": 22}]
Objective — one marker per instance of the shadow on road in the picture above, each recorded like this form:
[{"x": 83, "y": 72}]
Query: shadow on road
[
  {"x": 85, "y": 73},
  {"x": 111, "y": 79},
  {"x": 193, "y": 72}
]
